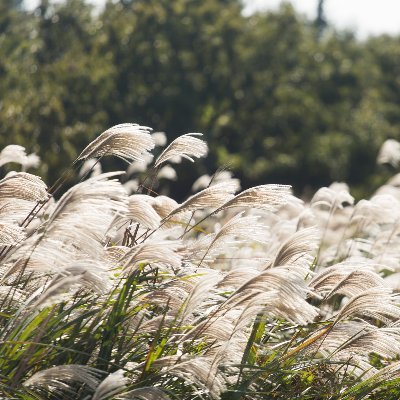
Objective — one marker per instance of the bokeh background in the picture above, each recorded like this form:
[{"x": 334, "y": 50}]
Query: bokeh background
[{"x": 282, "y": 94}]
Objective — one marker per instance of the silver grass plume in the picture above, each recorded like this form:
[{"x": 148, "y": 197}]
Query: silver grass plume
[
  {"x": 186, "y": 146},
  {"x": 331, "y": 198},
  {"x": 24, "y": 186},
  {"x": 383, "y": 341},
  {"x": 140, "y": 210},
  {"x": 389, "y": 153},
  {"x": 386, "y": 374},
  {"x": 247, "y": 227},
  {"x": 344, "y": 279},
  {"x": 266, "y": 197},
  {"x": 19, "y": 194},
  {"x": 145, "y": 393},
  {"x": 286, "y": 294},
  {"x": 377, "y": 302},
  {"x": 32, "y": 161},
  {"x": 173, "y": 294},
  {"x": 214, "y": 330},
  {"x": 219, "y": 176},
  {"x": 114, "y": 253},
  {"x": 240, "y": 228},
  {"x": 91, "y": 166},
  {"x": 381, "y": 209},
  {"x": 160, "y": 138},
  {"x": 63, "y": 377},
  {"x": 95, "y": 198},
  {"x": 126, "y": 141},
  {"x": 235, "y": 277},
  {"x": 113, "y": 384},
  {"x": 167, "y": 172},
  {"x": 200, "y": 372},
  {"x": 18, "y": 295},
  {"x": 140, "y": 166},
  {"x": 297, "y": 248},
  {"x": 164, "y": 205},
  {"x": 202, "y": 290},
  {"x": 354, "y": 341},
  {"x": 223, "y": 325},
  {"x": 16, "y": 154},
  {"x": 49, "y": 255},
  {"x": 76, "y": 227},
  {"x": 13, "y": 153},
  {"x": 10, "y": 234},
  {"x": 57, "y": 291},
  {"x": 198, "y": 249},
  {"x": 157, "y": 253},
  {"x": 155, "y": 323},
  {"x": 212, "y": 197},
  {"x": 93, "y": 276}
]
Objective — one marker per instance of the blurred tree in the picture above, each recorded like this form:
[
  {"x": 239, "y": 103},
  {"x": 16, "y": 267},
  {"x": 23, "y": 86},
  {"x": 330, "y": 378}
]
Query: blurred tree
[
  {"x": 175, "y": 63},
  {"x": 320, "y": 21},
  {"x": 54, "y": 85},
  {"x": 276, "y": 102}
]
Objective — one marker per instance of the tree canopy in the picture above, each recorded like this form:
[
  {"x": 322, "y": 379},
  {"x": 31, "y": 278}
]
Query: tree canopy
[{"x": 278, "y": 99}]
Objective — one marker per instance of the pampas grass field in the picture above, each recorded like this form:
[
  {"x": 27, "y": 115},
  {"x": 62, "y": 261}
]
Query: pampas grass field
[{"x": 116, "y": 291}]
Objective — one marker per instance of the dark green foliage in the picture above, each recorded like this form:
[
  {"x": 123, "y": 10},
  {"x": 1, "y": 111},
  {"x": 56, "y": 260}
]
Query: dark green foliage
[{"x": 279, "y": 99}]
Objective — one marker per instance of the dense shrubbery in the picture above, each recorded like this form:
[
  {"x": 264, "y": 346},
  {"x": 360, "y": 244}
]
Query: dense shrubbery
[
  {"x": 276, "y": 102},
  {"x": 117, "y": 291}
]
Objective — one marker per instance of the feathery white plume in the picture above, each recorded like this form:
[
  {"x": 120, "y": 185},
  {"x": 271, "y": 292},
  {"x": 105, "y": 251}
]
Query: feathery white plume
[
  {"x": 201, "y": 183},
  {"x": 377, "y": 302},
  {"x": 24, "y": 186},
  {"x": 145, "y": 393},
  {"x": 16, "y": 154},
  {"x": 286, "y": 294},
  {"x": 331, "y": 198},
  {"x": 160, "y": 138},
  {"x": 213, "y": 197},
  {"x": 200, "y": 292},
  {"x": 164, "y": 205},
  {"x": 114, "y": 253},
  {"x": 297, "y": 248},
  {"x": 91, "y": 166},
  {"x": 10, "y": 234},
  {"x": 207, "y": 180},
  {"x": 201, "y": 372},
  {"x": 389, "y": 153},
  {"x": 239, "y": 227},
  {"x": 76, "y": 227},
  {"x": 140, "y": 165},
  {"x": 345, "y": 279},
  {"x": 140, "y": 210},
  {"x": 187, "y": 146},
  {"x": 13, "y": 153},
  {"x": 126, "y": 141},
  {"x": 19, "y": 194},
  {"x": 114, "y": 383},
  {"x": 90, "y": 275},
  {"x": 161, "y": 253},
  {"x": 62, "y": 377},
  {"x": 266, "y": 197},
  {"x": 167, "y": 172},
  {"x": 347, "y": 339},
  {"x": 32, "y": 161},
  {"x": 383, "y": 341}
]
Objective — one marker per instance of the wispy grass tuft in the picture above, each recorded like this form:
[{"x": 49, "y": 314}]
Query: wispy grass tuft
[{"x": 107, "y": 294}]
